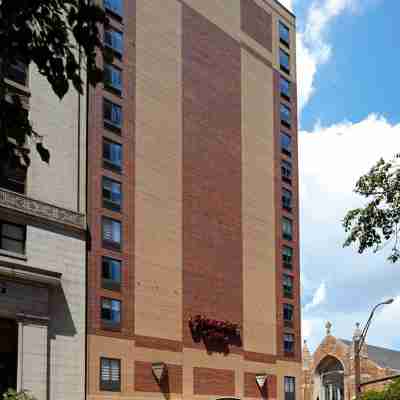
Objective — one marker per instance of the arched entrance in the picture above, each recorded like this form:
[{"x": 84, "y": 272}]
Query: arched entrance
[{"x": 329, "y": 375}]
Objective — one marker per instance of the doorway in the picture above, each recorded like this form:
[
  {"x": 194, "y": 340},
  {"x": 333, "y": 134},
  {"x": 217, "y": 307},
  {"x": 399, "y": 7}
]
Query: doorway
[{"x": 8, "y": 355}]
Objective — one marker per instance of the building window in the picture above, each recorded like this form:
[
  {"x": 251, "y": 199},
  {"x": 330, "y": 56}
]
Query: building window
[
  {"x": 111, "y": 273},
  {"x": 113, "y": 78},
  {"x": 284, "y": 61},
  {"x": 110, "y": 374},
  {"x": 114, "y": 6},
  {"x": 286, "y": 144},
  {"x": 114, "y": 40},
  {"x": 12, "y": 237},
  {"x": 13, "y": 176},
  {"x": 286, "y": 199},
  {"x": 112, "y": 230},
  {"x": 288, "y": 343},
  {"x": 290, "y": 388},
  {"x": 111, "y": 313},
  {"x": 112, "y": 155},
  {"x": 284, "y": 88},
  {"x": 18, "y": 72},
  {"x": 284, "y": 34},
  {"x": 287, "y": 286},
  {"x": 288, "y": 315},
  {"x": 287, "y": 257},
  {"x": 286, "y": 115},
  {"x": 286, "y": 170},
  {"x": 112, "y": 115},
  {"x": 287, "y": 228},
  {"x": 112, "y": 194}
]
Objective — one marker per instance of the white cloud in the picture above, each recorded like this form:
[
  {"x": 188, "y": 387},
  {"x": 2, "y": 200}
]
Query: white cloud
[
  {"x": 288, "y": 4},
  {"x": 318, "y": 298},
  {"x": 313, "y": 49},
  {"x": 331, "y": 160}
]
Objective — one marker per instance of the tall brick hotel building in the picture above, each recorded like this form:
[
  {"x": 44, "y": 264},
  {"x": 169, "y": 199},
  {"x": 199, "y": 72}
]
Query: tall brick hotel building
[{"x": 193, "y": 204}]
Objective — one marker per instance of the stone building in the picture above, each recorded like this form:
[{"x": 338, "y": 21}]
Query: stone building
[
  {"x": 328, "y": 373},
  {"x": 43, "y": 248},
  {"x": 193, "y": 203}
]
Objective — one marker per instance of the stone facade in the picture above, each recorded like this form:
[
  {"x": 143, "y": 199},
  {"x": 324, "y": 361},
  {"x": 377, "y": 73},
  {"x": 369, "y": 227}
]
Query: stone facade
[
  {"x": 42, "y": 283},
  {"x": 336, "y": 357}
]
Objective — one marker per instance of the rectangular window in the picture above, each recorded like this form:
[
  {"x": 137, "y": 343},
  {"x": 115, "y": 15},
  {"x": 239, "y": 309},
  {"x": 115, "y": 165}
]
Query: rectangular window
[
  {"x": 284, "y": 85},
  {"x": 110, "y": 374},
  {"x": 287, "y": 286},
  {"x": 286, "y": 170},
  {"x": 288, "y": 343},
  {"x": 12, "y": 237},
  {"x": 286, "y": 199},
  {"x": 113, "y": 78},
  {"x": 284, "y": 34},
  {"x": 111, "y": 273},
  {"x": 286, "y": 115},
  {"x": 112, "y": 155},
  {"x": 290, "y": 388},
  {"x": 284, "y": 61},
  {"x": 112, "y": 194},
  {"x": 114, "y": 6},
  {"x": 287, "y": 257},
  {"x": 288, "y": 315},
  {"x": 114, "y": 40},
  {"x": 18, "y": 72},
  {"x": 112, "y": 231},
  {"x": 287, "y": 228},
  {"x": 13, "y": 177},
  {"x": 111, "y": 312},
  {"x": 286, "y": 144},
  {"x": 112, "y": 115}
]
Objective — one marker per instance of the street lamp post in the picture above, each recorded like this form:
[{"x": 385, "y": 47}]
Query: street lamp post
[{"x": 358, "y": 343}]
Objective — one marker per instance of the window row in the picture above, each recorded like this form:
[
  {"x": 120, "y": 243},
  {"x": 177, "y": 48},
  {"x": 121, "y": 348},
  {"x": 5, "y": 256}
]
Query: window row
[
  {"x": 115, "y": 7},
  {"x": 110, "y": 378}
]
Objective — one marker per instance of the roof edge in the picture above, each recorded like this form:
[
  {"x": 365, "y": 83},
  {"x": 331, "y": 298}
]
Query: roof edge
[{"x": 285, "y": 8}]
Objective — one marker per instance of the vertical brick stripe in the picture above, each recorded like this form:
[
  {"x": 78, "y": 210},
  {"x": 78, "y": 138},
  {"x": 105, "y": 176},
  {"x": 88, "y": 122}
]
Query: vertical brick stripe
[{"x": 212, "y": 226}]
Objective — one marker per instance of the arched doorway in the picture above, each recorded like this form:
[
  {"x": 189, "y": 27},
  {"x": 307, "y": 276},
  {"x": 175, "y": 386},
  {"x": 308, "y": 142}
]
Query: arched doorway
[{"x": 329, "y": 375}]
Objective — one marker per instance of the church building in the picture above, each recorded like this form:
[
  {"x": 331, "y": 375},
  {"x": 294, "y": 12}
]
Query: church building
[{"x": 328, "y": 373}]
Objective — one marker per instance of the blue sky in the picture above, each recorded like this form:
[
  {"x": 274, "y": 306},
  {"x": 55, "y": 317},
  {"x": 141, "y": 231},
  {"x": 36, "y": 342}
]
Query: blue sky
[{"x": 347, "y": 56}]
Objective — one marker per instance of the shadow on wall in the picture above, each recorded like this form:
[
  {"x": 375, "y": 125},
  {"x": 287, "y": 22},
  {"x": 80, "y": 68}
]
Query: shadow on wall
[{"x": 61, "y": 321}]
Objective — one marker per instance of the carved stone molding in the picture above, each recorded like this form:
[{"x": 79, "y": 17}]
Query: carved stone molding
[{"x": 39, "y": 209}]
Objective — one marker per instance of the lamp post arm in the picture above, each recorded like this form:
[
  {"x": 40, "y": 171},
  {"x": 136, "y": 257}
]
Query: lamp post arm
[{"x": 366, "y": 327}]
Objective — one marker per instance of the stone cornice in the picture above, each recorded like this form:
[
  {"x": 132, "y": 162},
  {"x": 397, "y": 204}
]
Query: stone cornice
[{"x": 41, "y": 210}]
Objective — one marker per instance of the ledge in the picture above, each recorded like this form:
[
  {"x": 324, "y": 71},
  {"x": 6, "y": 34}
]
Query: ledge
[{"x": 20, "y": 203}]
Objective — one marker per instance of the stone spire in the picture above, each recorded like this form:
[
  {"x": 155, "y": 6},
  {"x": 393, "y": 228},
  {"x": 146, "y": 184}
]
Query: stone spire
[
  {"x": 328, "y": 327},
  {"x": 307, "y": 359}
]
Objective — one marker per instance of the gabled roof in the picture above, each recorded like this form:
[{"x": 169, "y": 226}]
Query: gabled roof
[{"x": 385, "y": 358}]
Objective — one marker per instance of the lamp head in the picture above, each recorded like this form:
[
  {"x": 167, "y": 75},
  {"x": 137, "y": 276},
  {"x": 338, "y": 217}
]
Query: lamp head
[{"x": 390, "y": 301}]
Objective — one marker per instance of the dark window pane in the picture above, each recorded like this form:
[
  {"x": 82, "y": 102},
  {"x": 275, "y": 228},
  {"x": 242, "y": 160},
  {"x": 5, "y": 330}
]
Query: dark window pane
[
  {"x": 288, "y": 312},
  {"x": 111, "y": 273},
  {"x": 286, "y": 144},
  {"x": 112, "y": 195},
  {"x": 111, "y": 311},
  {"x": 290, "y": 388},
  {"x": 112, "y": 113},
  {"x": 288, "y": 343},
  {"x": 284, "y": 61},
  {"x": 114, "y": 40},
  {"x": 284, "y": 34},
  {"x": 110, "y": 374},
  {"x": 287, "y": 228},
  {"x": 12, "y": 237},
  {"x": 114, "y": 6},
  {"x": 112, "y": 230},
  {"x": 287, "y": 256},
  {"x": 112, "y": 153},
  {"x": 285, "y": 87},
  {"x": 18, "y": 72},
  {"x": 287, "y": 199},
  {"x": 286, "y": 170},
  {"x": 286, "y": 115},
  {"x": 287, "y": 286},
  {"x": 113, "y": 77}
]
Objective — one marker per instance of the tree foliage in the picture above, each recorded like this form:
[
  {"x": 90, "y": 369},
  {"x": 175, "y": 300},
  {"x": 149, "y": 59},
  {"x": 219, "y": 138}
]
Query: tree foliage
[
  {"x": 377, "y": 223},
  {"x": 56, "y": 35},
  {"x": 12, "y": 394},
  {"x": 390, "y": 392}
]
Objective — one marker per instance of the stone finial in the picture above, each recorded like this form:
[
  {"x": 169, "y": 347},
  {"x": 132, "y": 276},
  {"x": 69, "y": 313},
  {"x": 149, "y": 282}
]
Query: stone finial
[
  {"x": 328, "y": 327},
  {"x": 357, "y": 331}
]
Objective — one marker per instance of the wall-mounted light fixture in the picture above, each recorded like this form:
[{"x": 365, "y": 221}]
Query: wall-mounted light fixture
[
  {"x": 159, "y": 370},
  {"x": 261, "y": 379}
]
